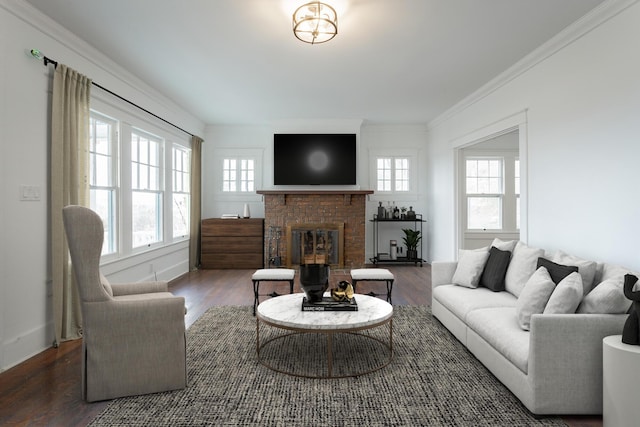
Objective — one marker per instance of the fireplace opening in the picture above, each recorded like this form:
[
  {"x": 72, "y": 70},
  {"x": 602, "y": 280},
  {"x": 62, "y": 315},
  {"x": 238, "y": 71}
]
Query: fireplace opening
[{"x": 321, "y": 243}]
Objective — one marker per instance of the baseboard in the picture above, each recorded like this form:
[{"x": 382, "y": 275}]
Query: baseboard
[{"x": 27, "y": 345}]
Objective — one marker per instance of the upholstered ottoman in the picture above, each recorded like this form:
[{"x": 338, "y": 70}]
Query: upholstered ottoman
[
  {"x": 373, "y": 275},
  {"x": 271, "y": 275}
]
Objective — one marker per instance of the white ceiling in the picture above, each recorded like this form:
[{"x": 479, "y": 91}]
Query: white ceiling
[{"x": 393, "y": 61}]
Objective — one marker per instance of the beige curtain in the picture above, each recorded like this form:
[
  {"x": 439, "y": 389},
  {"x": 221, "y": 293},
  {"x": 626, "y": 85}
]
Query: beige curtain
[
  {"x": 69, "y": 186},
  {"x": 196, "y": 203}
]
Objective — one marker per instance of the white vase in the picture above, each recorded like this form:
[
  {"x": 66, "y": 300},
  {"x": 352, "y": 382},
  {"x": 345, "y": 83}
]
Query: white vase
[{"x": 246, "y": 214}]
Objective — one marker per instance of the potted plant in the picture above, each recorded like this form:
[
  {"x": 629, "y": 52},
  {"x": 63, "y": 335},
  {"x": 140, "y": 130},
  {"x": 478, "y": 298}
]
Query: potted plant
[{"x": 411, "y": 239}]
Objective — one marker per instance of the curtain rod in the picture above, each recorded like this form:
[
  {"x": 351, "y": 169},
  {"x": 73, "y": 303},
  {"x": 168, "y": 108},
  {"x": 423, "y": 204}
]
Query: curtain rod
[{"x": 46, "y": 60}]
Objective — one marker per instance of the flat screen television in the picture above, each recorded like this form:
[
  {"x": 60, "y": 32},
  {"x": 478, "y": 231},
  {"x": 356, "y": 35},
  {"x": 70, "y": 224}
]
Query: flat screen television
[{"x": 314, "y": 159}]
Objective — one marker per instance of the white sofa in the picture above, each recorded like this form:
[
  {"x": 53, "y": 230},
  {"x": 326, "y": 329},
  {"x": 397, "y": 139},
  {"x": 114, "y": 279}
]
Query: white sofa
[{"x": 555, "y": 367}]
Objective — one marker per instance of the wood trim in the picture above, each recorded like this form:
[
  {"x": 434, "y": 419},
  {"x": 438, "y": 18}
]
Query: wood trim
[{"x": 322, "y": 192}]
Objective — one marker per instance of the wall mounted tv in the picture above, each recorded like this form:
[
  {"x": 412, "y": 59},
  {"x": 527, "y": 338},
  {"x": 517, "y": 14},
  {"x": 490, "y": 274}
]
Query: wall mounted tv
[{"x": 314, "y": 159}]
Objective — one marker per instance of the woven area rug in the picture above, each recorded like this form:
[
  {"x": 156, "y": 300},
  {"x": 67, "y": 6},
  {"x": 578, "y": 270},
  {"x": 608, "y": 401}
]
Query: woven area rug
[{"x": 432, "y": 380}]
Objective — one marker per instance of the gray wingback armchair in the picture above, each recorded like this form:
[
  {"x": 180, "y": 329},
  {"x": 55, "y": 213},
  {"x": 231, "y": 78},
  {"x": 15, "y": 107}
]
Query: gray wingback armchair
[{"x": 134, "y": 339}]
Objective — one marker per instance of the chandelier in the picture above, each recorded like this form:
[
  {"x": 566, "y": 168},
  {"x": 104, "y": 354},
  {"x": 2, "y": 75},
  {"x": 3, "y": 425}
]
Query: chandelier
[{"x": 315, "y": 22}]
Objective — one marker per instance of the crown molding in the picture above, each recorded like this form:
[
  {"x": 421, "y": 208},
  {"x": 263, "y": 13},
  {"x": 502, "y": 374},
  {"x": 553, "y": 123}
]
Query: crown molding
[
  {"x": 596, "y": 17},
  {"x": 51, "y": 29}
]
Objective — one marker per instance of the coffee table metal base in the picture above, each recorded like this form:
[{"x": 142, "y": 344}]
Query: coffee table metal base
[{"x": 329, "y": 336}]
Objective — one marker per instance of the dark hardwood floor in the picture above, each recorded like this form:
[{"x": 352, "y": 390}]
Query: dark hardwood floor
[{"x": 45, "y": 390}]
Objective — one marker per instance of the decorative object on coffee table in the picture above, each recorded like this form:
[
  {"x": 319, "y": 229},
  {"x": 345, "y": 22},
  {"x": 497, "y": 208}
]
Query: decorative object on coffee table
[
  {"x": 343, "y": 292},
  {"x": 631, "y": 330},
  {"x": 314, "y": 280},
  {"x": 411, "y": 239}
]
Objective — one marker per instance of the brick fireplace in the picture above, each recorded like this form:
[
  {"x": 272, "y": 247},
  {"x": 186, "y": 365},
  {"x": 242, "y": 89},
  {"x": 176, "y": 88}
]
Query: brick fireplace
[{"x": 295, "y": 209}]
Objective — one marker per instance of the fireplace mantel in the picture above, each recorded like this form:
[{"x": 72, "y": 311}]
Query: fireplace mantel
[
  {"x": 346, "y": 193},
  {"x": 276, "y": 192}
]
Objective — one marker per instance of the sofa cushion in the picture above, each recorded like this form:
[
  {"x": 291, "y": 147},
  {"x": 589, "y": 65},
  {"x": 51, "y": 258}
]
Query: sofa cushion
[
  {"x": 460, "y": 301},
  {"x": 470, "y": 266},
  {"x": 614, "y": 271},
  {"x": 566, "y": 296},
  {"x": 534, "y": 297},
  {"x": 499, "y": 327},
  {"x": 495, "y": 269},
  {"x": 606, "y": 297},
  {"x": 587, "y": 269},
  {"x": 523, "y": 263},
  {"x": 556, "y": 271},
  {"x": 504, "y": 245}
]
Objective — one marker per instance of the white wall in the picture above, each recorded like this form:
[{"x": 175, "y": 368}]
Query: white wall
[
  {"x": 25, "y": 289},
  {"x": 260, "y": 139},
  {"x": 582, "y": 108}
]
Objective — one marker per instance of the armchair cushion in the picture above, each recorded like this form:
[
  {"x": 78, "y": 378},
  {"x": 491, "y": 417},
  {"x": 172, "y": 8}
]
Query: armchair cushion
[
  {"x": 106, "y": 285},
  {"x": 139, "y": 288}
]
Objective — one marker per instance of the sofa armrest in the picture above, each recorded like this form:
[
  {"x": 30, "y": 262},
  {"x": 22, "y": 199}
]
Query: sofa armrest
[
  {"x": 565, "y": 355},
  {"x": 139, "y": 288},
  {"x": 442, "y": 272}
]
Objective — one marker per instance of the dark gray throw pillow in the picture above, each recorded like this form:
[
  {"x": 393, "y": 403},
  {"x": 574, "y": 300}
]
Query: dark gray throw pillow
[
  {"x": 556, "y": 271},
  {"x": 495, "y": 269}
]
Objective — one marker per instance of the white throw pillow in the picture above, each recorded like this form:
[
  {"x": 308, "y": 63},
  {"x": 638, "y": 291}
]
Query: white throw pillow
[
  {"x": 470, "y": 266},
  {"x": 608, "y": 298},
  {"x": 566, "y": 296},
  {"x": 587, "y": 269},
  {"x": 522, "y": 265},
  {"x": 534, "y": 297},
  {"x": 504, "y": 245}
]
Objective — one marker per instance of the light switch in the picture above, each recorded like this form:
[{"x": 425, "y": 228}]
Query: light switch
[{"x": 29, "y": 193}]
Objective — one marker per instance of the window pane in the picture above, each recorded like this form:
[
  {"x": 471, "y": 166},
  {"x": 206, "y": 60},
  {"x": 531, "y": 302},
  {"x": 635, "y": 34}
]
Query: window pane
[
  {"x": 146, "y": 218},
  {"x": 154, "y": 179},
  {"x": 472, "y": 186},
  {"x": 143, "y": 179},
  {"x": 103, "y": 203},
  {"x": 484, "y": 176},
  {"x": 484, "y": 213},
  {"x": 134, "y": 148},
  {"x": 483, "y": 168},
  {"x": 383, "y": 174},
  {"x": 180, "y": 215},
  {"x": 472, "y": 168},
  {"x": 494, "y": 168},
  {"x": 494, "y": 185}
]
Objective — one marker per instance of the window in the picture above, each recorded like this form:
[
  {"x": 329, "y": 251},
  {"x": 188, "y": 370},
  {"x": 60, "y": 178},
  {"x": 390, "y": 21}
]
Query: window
[
  {"x": 139, "y": 181},
  {"x": 181, "y": 196},
  {"x": 146, "y": 189},
  {"x": 392, "y": 174},
  {"x": 238, "y": 175},
  {"x": 491, "y": 193},
  {"x": 484, "y": 191},
  {"x": 102, "y": 178}
]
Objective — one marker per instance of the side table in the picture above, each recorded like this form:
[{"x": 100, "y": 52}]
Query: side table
[{"x": 620, "y": 382}]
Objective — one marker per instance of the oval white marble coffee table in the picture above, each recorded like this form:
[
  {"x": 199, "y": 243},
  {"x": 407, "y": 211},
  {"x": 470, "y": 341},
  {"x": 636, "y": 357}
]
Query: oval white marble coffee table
[{"x": 285, "y": 312}]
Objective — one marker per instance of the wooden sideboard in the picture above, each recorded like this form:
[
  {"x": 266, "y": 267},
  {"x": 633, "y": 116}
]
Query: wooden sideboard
[{"x": 232, "y": 243}]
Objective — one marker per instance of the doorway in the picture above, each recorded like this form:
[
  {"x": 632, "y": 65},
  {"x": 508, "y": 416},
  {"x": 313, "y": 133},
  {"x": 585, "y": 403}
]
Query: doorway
[{"x": 489, "y": 190}]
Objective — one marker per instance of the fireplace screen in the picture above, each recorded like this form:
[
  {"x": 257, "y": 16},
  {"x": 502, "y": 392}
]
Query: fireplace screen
[{"x": 315, "y": 244}]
